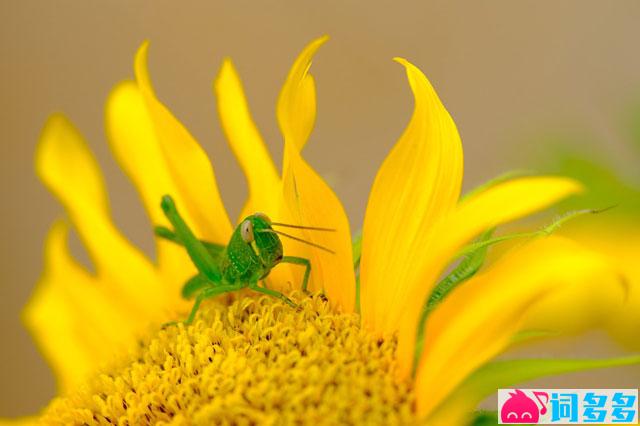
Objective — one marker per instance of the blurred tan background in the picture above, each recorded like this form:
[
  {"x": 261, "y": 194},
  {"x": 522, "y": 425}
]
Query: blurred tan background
[{"x": 504, "y": 69}]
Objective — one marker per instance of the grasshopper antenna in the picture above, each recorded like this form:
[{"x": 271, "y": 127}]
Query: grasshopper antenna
[
  {"x": 311, "y": 228},
  {"x": 273, "y": 231}
]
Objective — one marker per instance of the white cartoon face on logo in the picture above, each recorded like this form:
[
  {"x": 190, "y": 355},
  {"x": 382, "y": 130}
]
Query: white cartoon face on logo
[{"x": 519, "y": 408}]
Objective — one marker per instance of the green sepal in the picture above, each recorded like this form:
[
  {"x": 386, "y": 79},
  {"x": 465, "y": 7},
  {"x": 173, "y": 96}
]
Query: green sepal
[
  {"x": 468, "y": 266},
  {"x": 473, "y": 256},
  {"x": 356, "y": 247}
]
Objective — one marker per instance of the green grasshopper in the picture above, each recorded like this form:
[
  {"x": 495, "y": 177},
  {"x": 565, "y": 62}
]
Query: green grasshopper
[{"x": 253, "y": 250}]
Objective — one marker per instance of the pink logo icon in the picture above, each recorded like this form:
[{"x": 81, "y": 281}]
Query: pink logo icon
[{"x": 519, "y": 408}]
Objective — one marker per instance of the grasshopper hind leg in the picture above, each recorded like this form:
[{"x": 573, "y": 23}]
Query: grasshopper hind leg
[
  {"x": 195, "y": 284},
  {"x": 198, "y": 253}
]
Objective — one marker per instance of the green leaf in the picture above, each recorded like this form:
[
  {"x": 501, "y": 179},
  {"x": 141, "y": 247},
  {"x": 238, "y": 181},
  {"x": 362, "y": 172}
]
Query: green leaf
[
  {"x": 485, "y": 418},
  {"x": 605, "y": 183},
  {"x": 503, "y": 374}
]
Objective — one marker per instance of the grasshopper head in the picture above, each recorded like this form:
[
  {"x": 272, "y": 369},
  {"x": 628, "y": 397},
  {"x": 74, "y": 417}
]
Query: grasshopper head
[{"x": 256, "y": 231}]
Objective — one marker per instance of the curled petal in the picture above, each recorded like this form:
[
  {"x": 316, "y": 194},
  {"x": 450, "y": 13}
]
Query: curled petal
[
  {"x": 479, "y": 319},
  {"x": 418, "y": 183},
  {"x": 619, "y": 239},
  {"x": 297, "y": 102},
  {"x": 307, "y": 199},
  {"x": 585, "y": 305}
]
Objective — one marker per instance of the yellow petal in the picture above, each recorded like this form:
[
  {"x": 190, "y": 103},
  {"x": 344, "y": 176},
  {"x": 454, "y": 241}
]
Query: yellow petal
[
  {"x": 585, "y": 305},
  {"x": 68, "y": 169},
  {"x": 187, "y": 163},
  {"x": 246, "y": 142},
  {"x": 310, "y": 202},
  {"x": 417, "y": 184},
  {"x": 618, "y": 239},
  {"x": 307, "y": 199},
  {"x": 297, "y": 102},
  {"x": 478, "y": 320},
  {"x": 496, "y": 205},
  {"x": 133, "y": 141},
  {"x": 76, "y": 323}
]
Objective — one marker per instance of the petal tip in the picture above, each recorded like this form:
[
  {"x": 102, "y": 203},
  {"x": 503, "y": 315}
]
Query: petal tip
[
  {"x": 54, "y": 120},
  {"x": 311, "y": 49},
  {"x": 55, "y": 124},
  {"x": 144, "y": 48},
  {"x": 577, "y": 186},
  {"x": 118, "y": 88},
  {"x": 407, "y": 64},
  {"x": 320, "y": 40},
  {"x": 140, "y": 65},
  {"x": 227, "y": 71},
  {"x": 570, "y": 185}
]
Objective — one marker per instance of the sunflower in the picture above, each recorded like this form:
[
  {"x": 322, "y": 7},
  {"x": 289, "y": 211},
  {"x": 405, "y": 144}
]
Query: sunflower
[{"x": 391, "y": 344}]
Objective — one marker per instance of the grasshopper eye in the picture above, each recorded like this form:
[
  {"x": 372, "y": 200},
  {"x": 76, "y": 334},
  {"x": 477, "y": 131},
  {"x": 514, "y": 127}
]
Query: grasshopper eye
[
  {"x": 263, "y": 217},
  {"x": 246, "y": 231}
]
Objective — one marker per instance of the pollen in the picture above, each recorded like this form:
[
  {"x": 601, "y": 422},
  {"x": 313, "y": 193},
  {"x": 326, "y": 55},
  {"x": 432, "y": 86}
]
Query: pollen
[{"x": 253, "y": 361}]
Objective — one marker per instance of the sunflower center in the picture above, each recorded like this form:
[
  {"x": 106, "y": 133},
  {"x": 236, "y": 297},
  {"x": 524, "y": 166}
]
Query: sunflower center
[{"x": 254, "y": 361}]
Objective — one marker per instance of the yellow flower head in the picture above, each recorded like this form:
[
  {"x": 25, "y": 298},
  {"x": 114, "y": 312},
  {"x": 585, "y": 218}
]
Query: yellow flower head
[
  {"x": 256, "y": 361},
  {"x": 416, "y": 225}
]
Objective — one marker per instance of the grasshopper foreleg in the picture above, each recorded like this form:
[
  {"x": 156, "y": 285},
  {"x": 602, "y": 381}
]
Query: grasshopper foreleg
[
  {"x": 272, "y": 293},
  {"x": 300, "y": 261}
]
